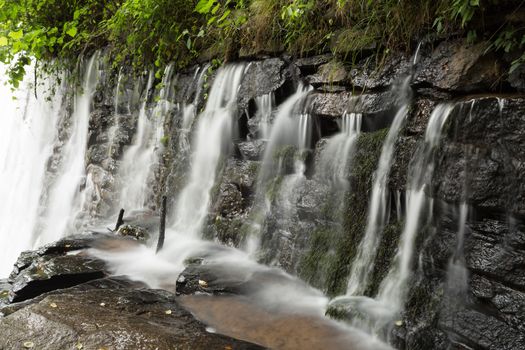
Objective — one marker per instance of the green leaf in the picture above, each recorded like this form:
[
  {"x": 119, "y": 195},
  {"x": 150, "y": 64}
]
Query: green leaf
[
  {"x": 204, "y": 6},
  {"x": 77, "y": 14},
  {"x": 16, "y": 35},
  {"x": 3, "y": 41},
  {"x": 72, "y": 32}
]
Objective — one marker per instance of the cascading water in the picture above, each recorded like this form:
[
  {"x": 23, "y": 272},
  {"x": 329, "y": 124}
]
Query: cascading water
[
  {"x": 289, "y": 137},
  {"x": 63, "y": 199},
  {"x": 213, "y": 141},
  {"x": 377, "y": 212},
  {"x": 336, "y": 156},
  {"x": 27, "y": 137},
  {"x": 265, "y": 105},
  {"x": 289, "y": 129},
  {"x": 136, "y": 163},
  {"x": 457, "y": 274},
  {"x": 189, "y": 111},
  {"x": 393, "y": 288}
]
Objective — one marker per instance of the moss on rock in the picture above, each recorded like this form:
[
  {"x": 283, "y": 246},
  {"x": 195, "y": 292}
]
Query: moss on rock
[{"x": 356, "y": 206}]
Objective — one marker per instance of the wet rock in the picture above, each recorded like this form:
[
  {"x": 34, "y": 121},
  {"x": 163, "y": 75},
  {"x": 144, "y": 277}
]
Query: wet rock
[
  {"x": 496, "y": 251},
  {"x": 56, "y": 266},
  {"x": 516, "y": 78},
  {"x": 419, "y": 116},
  {"x": 485, "y": 142},
  {"x": 378, "y": 110},
  {"x": 330, "y": 105},
  {"x": 109, "y": 314},
  {"x": 210, "y": 279},
  {"x": 134, "y": 231},
  {"x": 99, "y": 191},
  {"x": 230, "y": 201},
  {"x": 309, "y": 65},
  {"x": 262, "y": 77},
  {"x": 48, "y": 273},
  {"x": 252, "y": 150},
  {"x": 459, "y": 66},
  {"x": 5, "y": 287},
  {"x": 371, "y": 75},
  {"x": 331, "y": 73},
  {"x": 471, "y": 327}
]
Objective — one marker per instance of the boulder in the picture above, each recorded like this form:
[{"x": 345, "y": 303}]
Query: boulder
[
  {"x": 134, "y": 231},
  {"x": 56, "y": 266},
  {"x": 261, "y": 78},
  {"x": 459, "y": 66},
  {"x": 252, "y": 150},
  {"x": 109, "y": 314}
]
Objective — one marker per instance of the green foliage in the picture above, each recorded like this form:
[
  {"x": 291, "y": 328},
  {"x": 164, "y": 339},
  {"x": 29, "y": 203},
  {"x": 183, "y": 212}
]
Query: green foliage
[{"x": 146, "y": 33}]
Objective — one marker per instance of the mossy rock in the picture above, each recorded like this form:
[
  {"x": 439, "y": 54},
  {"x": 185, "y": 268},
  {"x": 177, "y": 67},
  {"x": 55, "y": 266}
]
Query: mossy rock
[
  {"x": 134, "y": 231},
  {"x": 365, "y": 162}
]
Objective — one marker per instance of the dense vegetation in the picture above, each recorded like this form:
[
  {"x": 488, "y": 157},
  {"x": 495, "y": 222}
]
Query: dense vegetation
[{"x": 154, "y": 32}]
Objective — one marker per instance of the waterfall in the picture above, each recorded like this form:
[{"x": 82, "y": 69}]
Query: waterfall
[
  {"x": 377, "y": 212},
  {"x": 265, "y": 105},
  {"x": 363, "y": 264},
  {"x": 135, "y": 168},
  {"x": 189, "y": 111},
  {"x": 457, "y": 273},
  {"x": 113, "y": 130},
  {"x": 62, "y": 202},
  {"x": 393, "y": 288},
  {"x": 335, "y": 158},
  {"x": 290, "y": 135},
  {"x": 27, "y": 135},
  {"x": 213, "y": 141},
  {"x": 291, "y": 127}
]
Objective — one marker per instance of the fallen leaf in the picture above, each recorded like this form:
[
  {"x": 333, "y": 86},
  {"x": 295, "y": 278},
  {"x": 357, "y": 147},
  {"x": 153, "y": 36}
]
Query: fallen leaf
[
  {"x": 79, "y": 346},
  {"x": 399, "y": 323},
  {"x": 102, "y": 304},
  {"x": 167, "y": 312},
  {"x": 228, "y": 347},
  {"x": 28, "y": 344},
  {"x": 53, "y": 305},
  {"x": 203, "y": 284}
]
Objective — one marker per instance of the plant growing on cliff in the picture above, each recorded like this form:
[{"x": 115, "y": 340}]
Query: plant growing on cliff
[{"x": 151, "y": 33}]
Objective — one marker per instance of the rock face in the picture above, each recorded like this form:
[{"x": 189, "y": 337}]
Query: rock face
[
  {"x": 309, "y": 229},
  {"x": 479, "y": 162},
  {"x": 59, "y": 265},
  {"x": 109, "y": 314}
]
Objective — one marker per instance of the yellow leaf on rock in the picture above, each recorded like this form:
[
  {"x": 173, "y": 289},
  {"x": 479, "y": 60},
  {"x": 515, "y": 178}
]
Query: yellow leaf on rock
[
  {"x": 203, "y": 284},
  {"x": 28, "y": 344},
  {"x": 53, "y": 305},
  {"x": 167, "y": 312}
]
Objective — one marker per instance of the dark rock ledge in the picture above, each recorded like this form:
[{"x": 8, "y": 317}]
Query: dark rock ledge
[{"x": 59, "y": 298}]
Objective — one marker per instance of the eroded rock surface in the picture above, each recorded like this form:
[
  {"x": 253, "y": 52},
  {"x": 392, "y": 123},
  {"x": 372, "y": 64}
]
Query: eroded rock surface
[{"x": 109, "y": 314}]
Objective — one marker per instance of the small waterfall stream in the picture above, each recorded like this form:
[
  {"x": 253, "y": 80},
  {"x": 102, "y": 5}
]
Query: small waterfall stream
[
  {"x": 337, "y": 155},
  {"x": 213, "y": 141},
  {"x": 377, "y": 213},
  {"x": 393, "y": 289},
  {"x": 137, "y": 159},
  {"x": 289, "y": 137},
  {"x": 62, "y": 202}
]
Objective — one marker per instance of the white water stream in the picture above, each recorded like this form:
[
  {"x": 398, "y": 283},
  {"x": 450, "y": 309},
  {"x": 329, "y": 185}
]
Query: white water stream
[
  {"x": 62, "y": 203},
  {"x": 212, "y": 142},
  {"x": 27, "y": 136}
]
